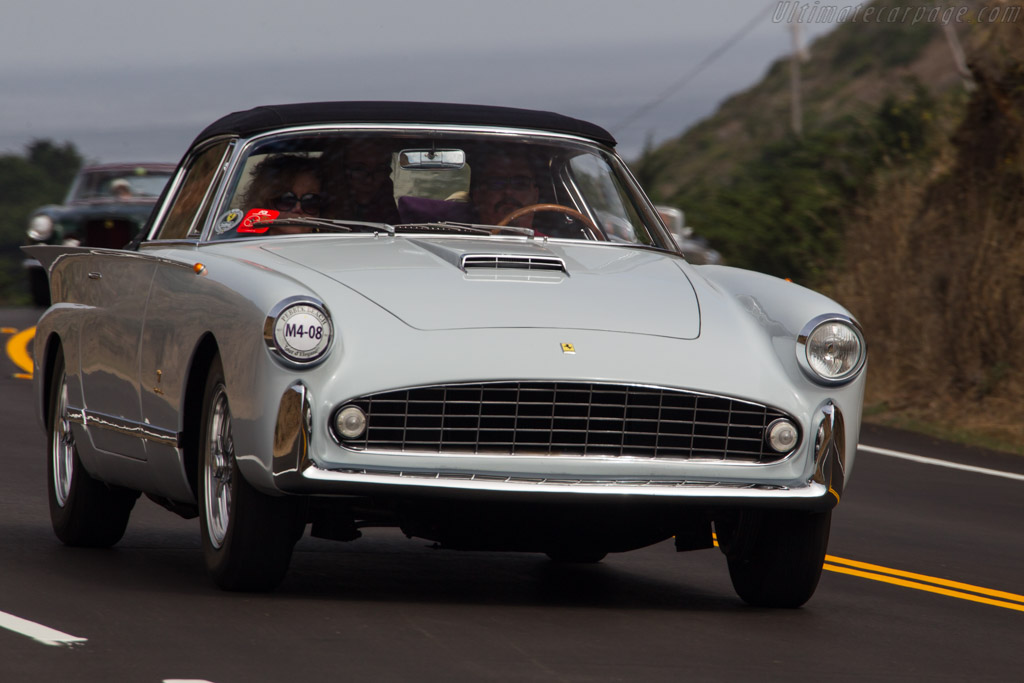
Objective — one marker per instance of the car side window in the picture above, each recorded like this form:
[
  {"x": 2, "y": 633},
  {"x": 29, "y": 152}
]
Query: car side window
[{"x": 184, "y": 213}]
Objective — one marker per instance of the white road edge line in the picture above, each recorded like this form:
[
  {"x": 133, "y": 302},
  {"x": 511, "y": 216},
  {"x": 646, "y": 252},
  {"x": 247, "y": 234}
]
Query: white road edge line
[
  {"x": 38, "y": 632},
  {"x": 940, "y": 463}
]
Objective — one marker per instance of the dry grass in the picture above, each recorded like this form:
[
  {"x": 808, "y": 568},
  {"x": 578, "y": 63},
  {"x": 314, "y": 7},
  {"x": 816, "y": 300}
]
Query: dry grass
[{"x": 935, "y": 267}]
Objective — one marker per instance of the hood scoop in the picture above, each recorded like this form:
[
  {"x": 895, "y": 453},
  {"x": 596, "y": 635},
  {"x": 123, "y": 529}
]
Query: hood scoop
[{"x": 478, "y": 262}]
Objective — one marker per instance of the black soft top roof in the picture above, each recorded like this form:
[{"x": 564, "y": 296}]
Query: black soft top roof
[{"x": 261, "y": 119}]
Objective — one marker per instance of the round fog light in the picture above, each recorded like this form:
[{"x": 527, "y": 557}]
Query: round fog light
[
  {"x": 782, "y": 435},
  {"x": 350, "y": 422}
]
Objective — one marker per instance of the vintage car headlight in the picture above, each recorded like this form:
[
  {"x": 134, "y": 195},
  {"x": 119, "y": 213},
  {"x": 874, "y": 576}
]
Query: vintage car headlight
[
  {"x": 299, "y": 331},
  {"x": 831, "y": 349},
  {"x": 40, "y": 228}
]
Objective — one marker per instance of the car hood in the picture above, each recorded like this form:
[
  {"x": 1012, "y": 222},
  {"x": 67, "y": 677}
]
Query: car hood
[{"x": 453, "y": 283}]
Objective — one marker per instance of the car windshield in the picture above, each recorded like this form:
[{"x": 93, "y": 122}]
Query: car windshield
[
  {"x": 116, "y": 184},
  {"x": 434, "y": 183}
]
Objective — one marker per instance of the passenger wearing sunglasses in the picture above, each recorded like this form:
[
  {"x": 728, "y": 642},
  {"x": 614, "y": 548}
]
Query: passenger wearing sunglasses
[
  {"x": 501, "y": 184},
  {"x": 289, "y": 184}
]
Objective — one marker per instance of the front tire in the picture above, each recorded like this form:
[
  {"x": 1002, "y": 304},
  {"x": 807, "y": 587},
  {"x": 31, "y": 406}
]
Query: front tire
[
  {"x": 83, "y": 511},
  {"x": 247, "y": 536},
  {"x": 775, "y": 556}
]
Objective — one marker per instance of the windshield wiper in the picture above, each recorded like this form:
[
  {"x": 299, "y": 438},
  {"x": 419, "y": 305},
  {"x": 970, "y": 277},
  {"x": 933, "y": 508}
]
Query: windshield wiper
[
  {"x": 471, "y": 228},
  {"x": 335, "y": 224}
]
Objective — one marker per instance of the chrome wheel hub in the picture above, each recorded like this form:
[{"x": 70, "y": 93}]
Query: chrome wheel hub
[
  {"x": 217, "y": 471},
  {"x": 63, "y": 448}
]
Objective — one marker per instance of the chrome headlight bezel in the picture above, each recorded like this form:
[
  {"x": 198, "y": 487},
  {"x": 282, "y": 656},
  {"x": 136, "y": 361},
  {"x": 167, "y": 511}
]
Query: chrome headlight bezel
[
  {"x": 803, "y": 348},
  {"x": 40, "y": 228},
  {"x": 276, "y": 327}
]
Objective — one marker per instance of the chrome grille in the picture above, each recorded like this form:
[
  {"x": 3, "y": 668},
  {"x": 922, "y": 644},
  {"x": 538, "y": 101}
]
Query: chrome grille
[{"x": 565, "y": 418}]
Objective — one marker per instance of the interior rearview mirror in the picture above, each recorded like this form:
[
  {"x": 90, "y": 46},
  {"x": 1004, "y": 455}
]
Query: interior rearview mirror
[{"x": 432, "y": 158}]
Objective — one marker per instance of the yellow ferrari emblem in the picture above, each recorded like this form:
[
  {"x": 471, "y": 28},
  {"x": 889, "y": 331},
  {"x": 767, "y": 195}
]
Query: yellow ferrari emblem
[{"x": 568, "y": 348}]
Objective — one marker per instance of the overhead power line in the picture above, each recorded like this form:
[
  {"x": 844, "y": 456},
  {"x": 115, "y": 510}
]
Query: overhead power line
[{"x": 700, "y": 66}]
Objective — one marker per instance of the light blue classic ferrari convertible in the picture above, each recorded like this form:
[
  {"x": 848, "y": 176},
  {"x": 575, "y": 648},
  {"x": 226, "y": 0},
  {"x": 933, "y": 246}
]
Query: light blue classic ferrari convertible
[{"x": 467, "y": 322}]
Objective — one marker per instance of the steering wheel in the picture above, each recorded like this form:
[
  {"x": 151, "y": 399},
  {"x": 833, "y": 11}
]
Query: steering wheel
[{"x": 557, "y": 208}]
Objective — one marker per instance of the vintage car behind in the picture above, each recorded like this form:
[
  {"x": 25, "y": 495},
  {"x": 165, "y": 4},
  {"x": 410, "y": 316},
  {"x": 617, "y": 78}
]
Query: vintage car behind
[
  {"x": 694, "y": 247},
  {"x": 467, "y": 322},
  {"x": 106, "y": 206}
]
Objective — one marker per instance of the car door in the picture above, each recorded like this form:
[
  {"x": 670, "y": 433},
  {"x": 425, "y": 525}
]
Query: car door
[
  {"x": 113, "y": 290},
  {"x": 175, "y": 315}
]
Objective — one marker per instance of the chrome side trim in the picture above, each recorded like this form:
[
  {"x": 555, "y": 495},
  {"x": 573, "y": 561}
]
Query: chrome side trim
[
  {"x": 76, "y": 415},
  {"x": 293, "y": 431},
  {"x": 830, "y": 452},
  {"x": 122, "y": 426}
]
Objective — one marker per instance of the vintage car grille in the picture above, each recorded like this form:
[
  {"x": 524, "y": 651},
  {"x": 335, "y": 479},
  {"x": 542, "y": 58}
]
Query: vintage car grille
[
  {"x": 565, "y": 418},
  {"x": 109, "y": 233}
]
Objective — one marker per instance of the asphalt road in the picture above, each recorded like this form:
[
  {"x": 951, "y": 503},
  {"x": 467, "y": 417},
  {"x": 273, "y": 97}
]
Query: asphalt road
[{"x": 924, "y": 581}]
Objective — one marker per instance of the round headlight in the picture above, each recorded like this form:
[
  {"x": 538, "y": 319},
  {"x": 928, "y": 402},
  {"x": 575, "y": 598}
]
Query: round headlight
[
  {"x": 40, "y": 228},
  {"x": 300, "y": 331},
  {"x": 832, "y": 348}
]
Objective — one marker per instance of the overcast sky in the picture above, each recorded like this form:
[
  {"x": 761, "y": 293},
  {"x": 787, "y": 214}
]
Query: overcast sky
[{"x": 135, "y": 80}]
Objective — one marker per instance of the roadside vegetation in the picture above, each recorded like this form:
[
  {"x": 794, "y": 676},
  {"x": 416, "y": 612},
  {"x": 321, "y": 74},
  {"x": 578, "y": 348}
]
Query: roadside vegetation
[
  {"x": 40, "y": 176},
  {"x": 903, "y": 199},
  {"x": 934, "y": 265}
]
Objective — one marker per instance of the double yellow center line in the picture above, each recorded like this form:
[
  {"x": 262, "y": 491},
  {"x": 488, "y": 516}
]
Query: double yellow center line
[{"x": 921, "y": 582}]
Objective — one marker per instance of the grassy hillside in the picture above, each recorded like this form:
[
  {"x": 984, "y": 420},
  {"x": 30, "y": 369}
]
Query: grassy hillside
[
  {"x": 935, "y": 263},
  {"x": 903, "y": 199},
  {"x": 874, "y": 95},
  {"x": 850, "y": 72}
]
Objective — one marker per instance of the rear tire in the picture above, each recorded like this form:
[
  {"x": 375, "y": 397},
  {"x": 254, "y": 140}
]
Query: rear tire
[
  {"x": 247, "y": 536},
  {"x": 775, "y": 556},
  {"x": 83, "y": 511}
]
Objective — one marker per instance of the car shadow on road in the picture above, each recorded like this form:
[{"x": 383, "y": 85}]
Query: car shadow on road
[
  {"x": 404, "y": 570},
  {"x": 389, "y": 568}
]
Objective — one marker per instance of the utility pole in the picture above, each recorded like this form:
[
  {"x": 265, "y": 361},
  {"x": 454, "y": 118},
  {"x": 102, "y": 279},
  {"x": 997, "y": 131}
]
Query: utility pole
[
  {"x": 796, "y": 119},
  {"x": 958, "y": 56}
]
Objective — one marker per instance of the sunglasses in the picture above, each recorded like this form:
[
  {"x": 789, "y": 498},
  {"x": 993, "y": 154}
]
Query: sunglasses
[
  {"x": 308, "y": 204},
  {"x": 518, "y": 182}
]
